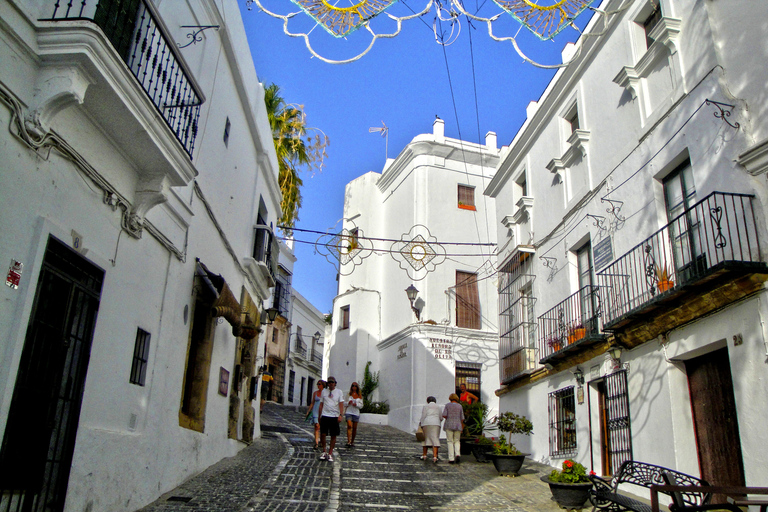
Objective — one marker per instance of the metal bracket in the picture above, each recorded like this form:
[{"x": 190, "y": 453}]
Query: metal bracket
[
  {"x": 195, "y": 35},
  {"x": 723, "y": 114}
]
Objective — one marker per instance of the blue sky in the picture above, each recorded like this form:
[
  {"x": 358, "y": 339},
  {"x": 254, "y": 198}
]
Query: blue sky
[{"x": 475, "y": 85}]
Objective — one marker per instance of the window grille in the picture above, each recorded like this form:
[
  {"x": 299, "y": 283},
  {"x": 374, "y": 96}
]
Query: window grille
[
  {"x": 469, "y": 374},
  {"x": 291, "y": 381},
  {"x": 344, "y": 320},
  {"x": 517, "y": 318},
  {"x": 619, "y": 442},
  {"x": 140, "y": 357},
  {"x": 467, "y": 301},
  {"x": 562, "y": 422},
  {"x": 466, "y": 197}
]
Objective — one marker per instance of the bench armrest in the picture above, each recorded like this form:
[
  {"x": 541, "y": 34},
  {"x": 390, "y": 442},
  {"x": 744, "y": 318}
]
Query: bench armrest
[{"x": 600, "y": 488}]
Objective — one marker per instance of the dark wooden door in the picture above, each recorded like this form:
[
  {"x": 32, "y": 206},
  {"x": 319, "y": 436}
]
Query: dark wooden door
[
  {"x": 39, "y": 440},
  {"x": 714, "y": 418}
]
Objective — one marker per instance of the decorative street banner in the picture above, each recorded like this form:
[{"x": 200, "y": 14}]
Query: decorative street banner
[{"x": 418, "y": 252}]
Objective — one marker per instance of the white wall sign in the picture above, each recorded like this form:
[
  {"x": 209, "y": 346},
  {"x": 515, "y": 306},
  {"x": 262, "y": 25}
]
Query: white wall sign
[{"x": 443, "y": 349}]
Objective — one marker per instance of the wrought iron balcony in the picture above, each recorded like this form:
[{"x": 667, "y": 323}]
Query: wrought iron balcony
[
  {"x": 301, "y": 349},
  {"x": 317, "y": 359},
  {"x": 571, "y": 326},
  {"x": 142, "y": 41},
  {"x": 266, "y": 250},
  {"x": 704, "y": 259},
  {"x": 517, "y": 341}
]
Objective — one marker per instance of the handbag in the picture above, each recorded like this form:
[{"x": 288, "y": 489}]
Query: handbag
[{"x": 420, "y": 434}]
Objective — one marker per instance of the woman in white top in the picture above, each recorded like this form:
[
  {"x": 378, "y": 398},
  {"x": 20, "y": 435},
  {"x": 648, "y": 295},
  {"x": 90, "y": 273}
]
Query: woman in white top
[
  {"x": 431, "y": 417},
  {"x": 352, "y": 410}
]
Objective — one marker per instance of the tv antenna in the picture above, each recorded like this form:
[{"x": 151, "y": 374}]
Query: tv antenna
[{"x": 384, "y": 130}]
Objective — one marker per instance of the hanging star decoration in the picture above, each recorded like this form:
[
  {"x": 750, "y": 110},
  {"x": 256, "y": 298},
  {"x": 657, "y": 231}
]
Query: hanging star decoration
[
  {"x": 345, "y": 249},
  {"x": 546, "y": 21},
  {"x": 418, "y": 252},
  {"x": 341, "y": 21}
]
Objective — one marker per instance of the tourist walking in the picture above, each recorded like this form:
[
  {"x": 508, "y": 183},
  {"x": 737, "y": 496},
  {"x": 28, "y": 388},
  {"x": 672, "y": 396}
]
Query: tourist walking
[
  {"x": 313, "y": 410},
  {"x": 465, "y": 396},
  {"x": 354, "y": 403},
  {"x": 430, "y": 424},
  {"x": 453, "y": 426},
  {"x": 331, "y": 414}
]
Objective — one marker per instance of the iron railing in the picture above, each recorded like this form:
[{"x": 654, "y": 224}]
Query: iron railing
[
  {"x": 317, "y": 358},
  {"x": 574, "y": 319},
  {"x": 138, "y": 35},
  {"x": 718, "y": 230},
  {"x": 562, "y": 422},
  {"x": 301, "y": 349},
  {"x": 517, "y": 343},
  {"x": 265, "y": 249}
]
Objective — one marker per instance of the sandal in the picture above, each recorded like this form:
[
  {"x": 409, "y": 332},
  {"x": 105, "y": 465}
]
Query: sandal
[
  {"x": 435, "y": 459},
  {"x": 423, "y": 457}
]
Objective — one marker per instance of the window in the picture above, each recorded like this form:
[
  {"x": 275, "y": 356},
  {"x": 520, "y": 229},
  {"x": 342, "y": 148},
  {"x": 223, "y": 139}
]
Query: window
[
  {"x": 227, "y": 126},
  {"x": 562, "y": 422},
  {"x": 587, "y": 292},
  {"x": 466, "y": 197},
  {"x": 469, "y": 374},
  {"x": 281, "y": 296},
  {"x": 522, "y": 186},
  {"x": 301, "y": 390},
  {"x": 344, "y": 318},
  {"x": 517, "y": 318},
  {"x": 140, "y": 357},
  {"x": 613, "y": 406},
  {"x": 650, "y": 23},
  {"x": 274, "y": 334},
  {"x": 680, "y": 196},
  {"x": 291, "y": 380},
  {"x": 310, "y": 389},
  {"x": 195, "y": 391},
  {"x": 572, "y": 118},
  {"x": 467, "y": 301}
]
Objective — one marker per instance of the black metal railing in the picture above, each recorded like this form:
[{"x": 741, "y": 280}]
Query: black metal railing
[
  {"x": 265, "y": 249},
  {"x": 301, "y": 349},
  {"x": 517, "y": 342},
  {"x": 718, "y": 229},
  {"x": 140, "y": 38},
  {"x": 569, "y": 322},
  {"x": 317, "y": 358}
]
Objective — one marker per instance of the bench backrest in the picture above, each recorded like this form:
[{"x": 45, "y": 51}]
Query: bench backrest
[{"x": 645, "y": 475}]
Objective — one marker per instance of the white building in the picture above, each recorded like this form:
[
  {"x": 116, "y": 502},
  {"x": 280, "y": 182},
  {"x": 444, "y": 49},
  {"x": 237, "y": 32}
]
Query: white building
[
  {"x": 623, "y": 172},
  {"x": 304, "y": 364},
  {"x": 138, "y": 191},
  {"x": 399, "y": 231}
]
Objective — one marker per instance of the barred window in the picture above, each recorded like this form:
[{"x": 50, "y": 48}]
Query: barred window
[
  {"x": 562, "y": 422},
  {"x": 140, "y": 357},
  {"x": 291, "y": 380}
]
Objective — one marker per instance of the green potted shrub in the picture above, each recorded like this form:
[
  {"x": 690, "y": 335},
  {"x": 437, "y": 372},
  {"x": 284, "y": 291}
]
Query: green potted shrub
[
  {"x": 507, "y": 459},
  {"x": 481, "y": 446},
  {"x": 570, "y": 486},
  {"x": 476, "y": 423}
]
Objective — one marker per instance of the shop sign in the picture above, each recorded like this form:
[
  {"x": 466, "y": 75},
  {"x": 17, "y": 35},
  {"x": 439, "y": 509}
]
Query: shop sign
[{"x": 13, "y": 277}]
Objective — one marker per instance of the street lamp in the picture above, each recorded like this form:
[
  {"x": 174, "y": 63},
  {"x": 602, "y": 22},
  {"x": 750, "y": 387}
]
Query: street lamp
[
  {"x": 268, "y": 316},
  {"x": 412, "y": 292},
  {"x": 316, "y": 337}
]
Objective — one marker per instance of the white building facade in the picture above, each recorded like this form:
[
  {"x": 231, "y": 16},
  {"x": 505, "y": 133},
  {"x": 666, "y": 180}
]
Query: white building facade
[
  {"x": 631, "y": 209},
  {"x": 304, "y": 364},
  {"x": 399, "y": 231},
  {"x": 138, "y": 192}
]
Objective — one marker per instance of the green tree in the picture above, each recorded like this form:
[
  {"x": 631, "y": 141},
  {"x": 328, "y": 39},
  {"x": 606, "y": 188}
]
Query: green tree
[{"x": 298, "y": 147}]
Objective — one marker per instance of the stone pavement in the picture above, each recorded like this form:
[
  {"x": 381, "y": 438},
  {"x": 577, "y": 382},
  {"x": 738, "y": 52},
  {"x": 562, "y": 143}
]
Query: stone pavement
[{"x": 282, "y": 472}]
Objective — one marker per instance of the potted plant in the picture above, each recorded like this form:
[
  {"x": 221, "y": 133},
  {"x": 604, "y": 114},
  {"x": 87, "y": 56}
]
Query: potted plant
[
  {"x": 569, "y": 486},
  {"x": 576, "y": 332},
  {"x": 554, "y": 344},
  {"x": 663, "y": 280},
  {"x": 476, "y": 423},
  {"x": 506, "y": 458},
  {"x": 481, "y": 446}
]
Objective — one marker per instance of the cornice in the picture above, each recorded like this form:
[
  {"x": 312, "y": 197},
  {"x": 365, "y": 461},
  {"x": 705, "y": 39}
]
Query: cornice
[{"x": 426, "y": 331}]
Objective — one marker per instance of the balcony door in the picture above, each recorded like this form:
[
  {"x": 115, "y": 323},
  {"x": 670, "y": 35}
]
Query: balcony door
[
  {"x": 680, "y": 196},
  {"x": 587, "y": 296},
  {"x": 117, "y": 19}
]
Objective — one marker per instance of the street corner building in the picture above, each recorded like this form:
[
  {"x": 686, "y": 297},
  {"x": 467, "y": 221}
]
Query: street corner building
[
  {"x": 631, "y": 222},
  {"x": 139, "y": 194},
  {"x": 417, "y": 298}
]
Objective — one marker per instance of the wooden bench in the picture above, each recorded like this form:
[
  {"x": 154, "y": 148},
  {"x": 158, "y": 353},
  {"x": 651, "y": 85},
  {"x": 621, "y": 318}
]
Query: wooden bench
[{"x": 605, "y": 495}]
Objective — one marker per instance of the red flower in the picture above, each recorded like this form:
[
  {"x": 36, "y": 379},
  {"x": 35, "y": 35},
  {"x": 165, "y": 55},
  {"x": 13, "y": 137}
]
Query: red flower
[
  {"x": 592, "y": 473},
  {"x": 568, "y": 463}
]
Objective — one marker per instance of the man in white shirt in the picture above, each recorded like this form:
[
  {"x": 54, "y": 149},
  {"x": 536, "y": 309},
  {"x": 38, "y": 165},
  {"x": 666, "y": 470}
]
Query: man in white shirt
[{"x": 331, "y": 414}]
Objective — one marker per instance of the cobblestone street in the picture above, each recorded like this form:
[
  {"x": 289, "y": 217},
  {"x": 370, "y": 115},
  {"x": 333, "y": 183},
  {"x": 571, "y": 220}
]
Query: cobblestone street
[{"x": 282, "y": 472}]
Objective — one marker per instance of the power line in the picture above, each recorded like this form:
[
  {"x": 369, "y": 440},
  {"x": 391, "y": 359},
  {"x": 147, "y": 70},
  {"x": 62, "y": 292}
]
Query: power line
[
  {"x": 385, "y": 251},
  {"x": 383, "y": 239}
]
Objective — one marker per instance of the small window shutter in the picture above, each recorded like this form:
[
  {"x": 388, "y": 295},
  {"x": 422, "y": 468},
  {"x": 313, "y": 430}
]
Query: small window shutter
[
  {"x": 466, "y": 195},
  {"x": 467, "y": 301}
]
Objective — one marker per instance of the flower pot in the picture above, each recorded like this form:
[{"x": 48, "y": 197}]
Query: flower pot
[
  {"x": 576, "y": 335},
  {"x": 507, "y": 464},
  {"x": 569, "y": 496},
  {"x": 479, "y": 451},
  {"x": 465, "y": 447},
  {"x": 664, "y": 285}
]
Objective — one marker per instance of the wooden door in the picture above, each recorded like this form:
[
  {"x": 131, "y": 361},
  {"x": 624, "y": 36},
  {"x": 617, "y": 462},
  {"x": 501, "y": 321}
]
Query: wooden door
[{"x": 714, "y": 418}]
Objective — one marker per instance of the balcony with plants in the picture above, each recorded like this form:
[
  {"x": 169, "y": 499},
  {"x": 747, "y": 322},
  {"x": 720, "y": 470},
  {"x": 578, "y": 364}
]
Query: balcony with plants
[
  {"x": 571, "y": 327},
  {"x": 704, "y": 259}
]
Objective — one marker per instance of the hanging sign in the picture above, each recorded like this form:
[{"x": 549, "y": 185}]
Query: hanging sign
[
  {"x": 442, "y": 349},
  {"x": 13, "y": 277}
]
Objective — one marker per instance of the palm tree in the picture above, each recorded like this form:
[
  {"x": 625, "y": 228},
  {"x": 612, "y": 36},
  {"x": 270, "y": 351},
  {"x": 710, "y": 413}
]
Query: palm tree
[{"x": 297, "y": 147}]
